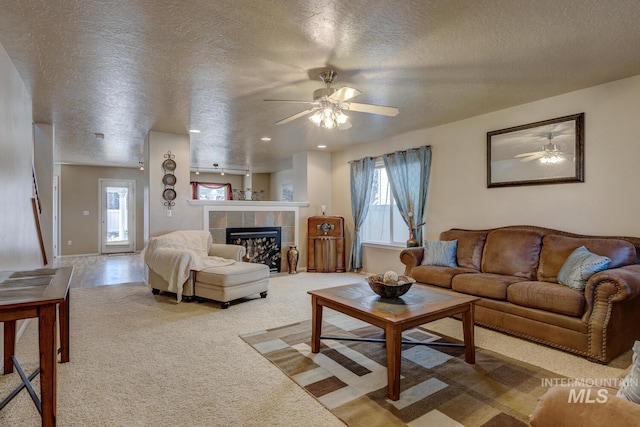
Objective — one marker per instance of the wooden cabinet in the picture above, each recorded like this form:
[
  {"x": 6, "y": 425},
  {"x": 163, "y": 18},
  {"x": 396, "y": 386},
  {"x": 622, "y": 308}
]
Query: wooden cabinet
[{"x": 325, "y": 251}]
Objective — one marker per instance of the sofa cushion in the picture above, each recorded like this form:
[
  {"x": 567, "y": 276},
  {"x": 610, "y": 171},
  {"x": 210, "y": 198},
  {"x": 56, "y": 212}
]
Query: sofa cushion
[
  {"x": 484, "y": 284},
  {"x": 512, "y": 252},
  {"x": 556, "y": 250},
  {"x": 470, "y": 246},
  {"x": 580, "y": 266},
  {"x": 438, "y": 276},
  {"x": 440, "y": 253},
  {"x": 235, "y": 274},
  {"x": 546, "y": 296}
]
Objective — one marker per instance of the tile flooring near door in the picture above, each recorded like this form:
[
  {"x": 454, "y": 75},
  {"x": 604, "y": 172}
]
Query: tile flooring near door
[{"x": 100, "y": 270}]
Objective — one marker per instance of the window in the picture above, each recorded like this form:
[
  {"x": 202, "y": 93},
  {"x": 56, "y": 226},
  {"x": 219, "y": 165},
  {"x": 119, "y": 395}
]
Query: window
[
  {"x": 383, "y": 224},
  {"x": 210, "y": 191}
]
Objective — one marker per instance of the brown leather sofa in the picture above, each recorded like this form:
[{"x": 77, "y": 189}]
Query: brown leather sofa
[
  {"x": 514, "y": 270},
  {"x": 585, "y": 406}
]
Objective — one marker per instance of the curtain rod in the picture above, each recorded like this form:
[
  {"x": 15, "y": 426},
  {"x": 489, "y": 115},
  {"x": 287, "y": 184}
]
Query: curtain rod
[
  {"x": 399, "y": 151},
  {"x": 370, "y": 157}
]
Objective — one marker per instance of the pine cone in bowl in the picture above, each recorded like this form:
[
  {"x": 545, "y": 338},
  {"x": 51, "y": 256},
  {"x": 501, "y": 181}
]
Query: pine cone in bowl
[{"x": 392, "y": 288}]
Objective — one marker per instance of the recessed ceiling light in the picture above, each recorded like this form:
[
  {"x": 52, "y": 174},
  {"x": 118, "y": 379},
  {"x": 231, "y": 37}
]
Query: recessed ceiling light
[
  {"x": 194, "y": 131},
  {"x": 265, "y": 139},
  {"x": 322, "y": 146}
]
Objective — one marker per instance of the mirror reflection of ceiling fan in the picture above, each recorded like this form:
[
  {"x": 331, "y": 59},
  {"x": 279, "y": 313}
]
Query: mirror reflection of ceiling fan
[
  {"x": 549, "y": 154},
  {"x": 326, "y": 109}
]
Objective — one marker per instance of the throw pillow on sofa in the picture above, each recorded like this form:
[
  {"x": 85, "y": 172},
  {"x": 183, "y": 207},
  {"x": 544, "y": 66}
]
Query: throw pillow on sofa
[
  {"x": 630, "y": 387},
  {"x": 440, "y": 253},
  {"x": 580, "y": 266}
]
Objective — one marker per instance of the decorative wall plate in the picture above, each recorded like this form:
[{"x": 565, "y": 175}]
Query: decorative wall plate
[
  {"x": 169, "y": 179},
  {"x": 169, "y": 194},
  {"x": 169, "y": 165}
]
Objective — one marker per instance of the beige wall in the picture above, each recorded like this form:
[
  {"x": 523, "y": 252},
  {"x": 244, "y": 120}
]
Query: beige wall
[
  {"x": 183, "y": 216},
  {"x": 278, "y": 179},
  {"x": 606, "y": 203},
  {"x": 18, "y": 236},
  {"x": 262, "y": 181},
  {"x": 79, "y": 192}
]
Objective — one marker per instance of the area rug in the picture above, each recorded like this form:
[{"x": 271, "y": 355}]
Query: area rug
[{"x": 438, "y": 388}]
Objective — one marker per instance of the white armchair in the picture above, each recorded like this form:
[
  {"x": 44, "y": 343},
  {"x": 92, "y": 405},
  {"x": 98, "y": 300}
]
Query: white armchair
[{"x": 224, "y": 279}]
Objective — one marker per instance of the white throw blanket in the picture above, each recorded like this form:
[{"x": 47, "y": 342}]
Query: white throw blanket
[{"x": 175, "y": 254}]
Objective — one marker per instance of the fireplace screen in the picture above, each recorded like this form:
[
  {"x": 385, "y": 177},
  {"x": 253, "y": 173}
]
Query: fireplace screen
[{"x": 262, "y": 244}]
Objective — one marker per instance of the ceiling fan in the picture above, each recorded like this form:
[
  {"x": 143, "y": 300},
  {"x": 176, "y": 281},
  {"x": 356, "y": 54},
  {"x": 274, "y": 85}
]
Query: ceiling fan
[
  {"x": 549, "y": 154},
  {"x": 326, "y": 109}
]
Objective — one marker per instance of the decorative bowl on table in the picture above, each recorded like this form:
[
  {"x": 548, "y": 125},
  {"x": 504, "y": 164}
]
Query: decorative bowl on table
[{"x": 389, "y": 284}]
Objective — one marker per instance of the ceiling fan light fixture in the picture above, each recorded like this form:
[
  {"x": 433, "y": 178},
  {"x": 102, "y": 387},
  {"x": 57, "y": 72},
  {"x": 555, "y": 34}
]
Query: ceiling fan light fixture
[
  {"x": 551, "y": 154},
  {"x": 328, "y": 117},
  {"x": 341, "y": 118},
  {"x": 327, "y": 105},
  {"x": 316, "y": 118},
  {"x": 551, "y": 159},
  {"x": 329, "y": 123}
]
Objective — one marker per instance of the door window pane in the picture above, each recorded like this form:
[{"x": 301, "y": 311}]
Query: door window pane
[{"x": 117, "y": 214}]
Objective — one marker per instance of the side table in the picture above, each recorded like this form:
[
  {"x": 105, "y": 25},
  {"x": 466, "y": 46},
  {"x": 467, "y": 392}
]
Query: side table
[{"x": 37, "y": 293}]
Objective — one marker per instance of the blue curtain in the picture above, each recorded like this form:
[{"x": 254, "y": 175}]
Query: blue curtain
[
  {"x": 361, "y": 185},
  {"x": 408, "y": 172}
]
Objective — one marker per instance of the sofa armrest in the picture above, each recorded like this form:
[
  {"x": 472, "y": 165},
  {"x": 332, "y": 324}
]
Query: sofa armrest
[
  {"x": 234, "y": 252},
  {"x": 411, "y": 257},
  {"x": 562, "y": 407},
  {"x": 616, "y": 284}
]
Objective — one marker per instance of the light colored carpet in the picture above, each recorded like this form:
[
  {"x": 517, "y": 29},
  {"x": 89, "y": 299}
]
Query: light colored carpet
[{"x": 142, "y": 360}]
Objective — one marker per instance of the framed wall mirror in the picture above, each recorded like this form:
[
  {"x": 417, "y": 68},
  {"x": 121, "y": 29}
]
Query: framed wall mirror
[{"x": 546, "y": 152}]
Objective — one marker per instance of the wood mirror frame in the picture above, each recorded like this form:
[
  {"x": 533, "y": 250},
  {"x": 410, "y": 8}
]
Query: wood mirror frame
[{"x": 545, "y": 152}]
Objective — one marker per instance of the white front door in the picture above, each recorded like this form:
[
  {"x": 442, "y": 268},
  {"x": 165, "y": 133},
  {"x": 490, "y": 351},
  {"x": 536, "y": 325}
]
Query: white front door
[{"x": 117, "y": 215}]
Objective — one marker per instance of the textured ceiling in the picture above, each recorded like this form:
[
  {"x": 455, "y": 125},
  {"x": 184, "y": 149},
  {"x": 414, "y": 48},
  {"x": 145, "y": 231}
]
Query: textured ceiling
[{"x": 124, "y": 68}]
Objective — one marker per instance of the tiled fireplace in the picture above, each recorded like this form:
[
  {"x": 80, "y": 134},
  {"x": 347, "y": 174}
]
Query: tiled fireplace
[{"x": 220, "y": 217}]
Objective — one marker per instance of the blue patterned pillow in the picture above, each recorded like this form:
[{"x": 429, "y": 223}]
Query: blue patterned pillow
[
  {"x": 580, "y": 266},
  {"x": 440, "y": 252}
]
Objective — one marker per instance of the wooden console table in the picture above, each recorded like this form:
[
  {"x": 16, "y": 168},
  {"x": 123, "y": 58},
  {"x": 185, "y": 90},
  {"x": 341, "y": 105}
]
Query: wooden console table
[{"x": 37, "y": 293}]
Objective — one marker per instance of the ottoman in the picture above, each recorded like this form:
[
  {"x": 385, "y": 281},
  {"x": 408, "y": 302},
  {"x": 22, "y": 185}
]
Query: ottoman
[{"x": 230, "y": 282}]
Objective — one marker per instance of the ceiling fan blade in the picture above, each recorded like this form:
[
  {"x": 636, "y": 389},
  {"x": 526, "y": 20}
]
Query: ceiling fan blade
[
  {"x": 295, "y": 116},
  {"x": 372, "y": 109},
  {"x": 527, "y": 154},
  {"x": 344, "y": 93}
]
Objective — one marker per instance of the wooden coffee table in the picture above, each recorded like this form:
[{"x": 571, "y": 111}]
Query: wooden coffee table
[{"x": 418, "y": 306}]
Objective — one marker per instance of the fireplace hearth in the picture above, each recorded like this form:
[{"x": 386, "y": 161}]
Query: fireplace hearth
[{"x": 262, "y": 244}]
